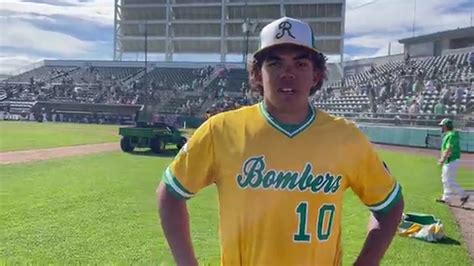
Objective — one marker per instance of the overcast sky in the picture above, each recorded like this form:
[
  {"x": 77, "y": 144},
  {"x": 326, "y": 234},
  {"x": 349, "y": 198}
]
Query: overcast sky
[{"x": 33, "y": 30}]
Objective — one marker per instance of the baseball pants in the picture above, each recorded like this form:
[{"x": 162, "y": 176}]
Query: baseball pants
[{"x": 448, "y": 177}]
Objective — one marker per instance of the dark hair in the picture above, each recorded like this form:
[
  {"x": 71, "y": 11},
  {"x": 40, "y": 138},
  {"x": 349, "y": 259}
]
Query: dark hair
[
  {"x": 254, "y": 66},
  {"x": 449, "y": 126}
]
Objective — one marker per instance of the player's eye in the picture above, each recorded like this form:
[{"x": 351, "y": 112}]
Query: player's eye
[
  {"x": 302, "y": 64},
  {"x": 275, "y": 63}
]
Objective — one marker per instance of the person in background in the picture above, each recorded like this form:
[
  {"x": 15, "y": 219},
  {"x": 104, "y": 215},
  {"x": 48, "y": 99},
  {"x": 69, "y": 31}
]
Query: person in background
[{"x": 450, "y": 155}]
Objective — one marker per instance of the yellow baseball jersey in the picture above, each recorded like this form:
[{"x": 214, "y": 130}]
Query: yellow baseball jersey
[{"x": 281, "y": 187}]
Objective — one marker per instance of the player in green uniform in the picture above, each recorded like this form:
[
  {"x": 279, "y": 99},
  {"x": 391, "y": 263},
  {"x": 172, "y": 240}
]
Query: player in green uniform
[{"x": 450, "y": 155}]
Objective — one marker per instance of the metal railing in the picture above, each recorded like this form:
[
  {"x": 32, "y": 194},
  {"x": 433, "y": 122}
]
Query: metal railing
[{"x": 461, "y": 121}]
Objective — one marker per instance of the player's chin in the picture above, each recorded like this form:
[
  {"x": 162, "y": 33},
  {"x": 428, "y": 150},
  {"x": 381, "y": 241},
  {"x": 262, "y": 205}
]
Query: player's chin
[
  {"x": 291, "y": 102},
  {"x": 296, "y": 96}
]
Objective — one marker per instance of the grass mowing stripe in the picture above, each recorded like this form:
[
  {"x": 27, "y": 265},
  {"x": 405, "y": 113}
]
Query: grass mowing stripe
[{"x": 101, "y": 209}]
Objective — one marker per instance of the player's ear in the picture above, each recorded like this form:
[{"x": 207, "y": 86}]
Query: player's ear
[
  {"x": 317, "y": 76},
  {"x": 258, "y": 78}
]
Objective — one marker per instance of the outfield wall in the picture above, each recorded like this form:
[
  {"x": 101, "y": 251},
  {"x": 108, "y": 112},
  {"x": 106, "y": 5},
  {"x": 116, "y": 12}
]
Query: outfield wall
[
  {"x": 414, "y": 137},
  {"x": 423, "y": 137}
]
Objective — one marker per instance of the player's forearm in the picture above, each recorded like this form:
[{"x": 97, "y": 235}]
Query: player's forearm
[
  {"x": 381, "y": 230},
  {"x": 175, "y": 223},
  {"x": 445, "y": 155}
]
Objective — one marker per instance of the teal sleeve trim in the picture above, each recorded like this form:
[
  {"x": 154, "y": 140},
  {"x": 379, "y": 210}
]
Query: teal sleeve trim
[
  {"x": 393, "y": 197},
  {"x": 174, "y": 186},
  {"x": 174, "y": 193}
]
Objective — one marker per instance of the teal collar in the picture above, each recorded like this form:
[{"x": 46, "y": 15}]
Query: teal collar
[{"x": 290, "y": 130}]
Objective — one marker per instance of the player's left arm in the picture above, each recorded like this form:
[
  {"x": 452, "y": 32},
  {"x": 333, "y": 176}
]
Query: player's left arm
[
  {"x": 382, "y": 194},
  {"x": 445, "y": 155},
  {"x": 381, "y": 230}
]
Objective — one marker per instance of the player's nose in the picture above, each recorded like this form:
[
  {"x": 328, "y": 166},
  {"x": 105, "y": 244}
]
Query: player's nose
[{"x": 287, "y": 72}]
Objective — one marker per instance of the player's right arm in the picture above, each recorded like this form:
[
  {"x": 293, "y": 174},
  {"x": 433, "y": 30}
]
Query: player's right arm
[
  {"x": 175, "y": 223},
  {"x": 450, "y": 141},
  {"x": 190, "y": 171}
]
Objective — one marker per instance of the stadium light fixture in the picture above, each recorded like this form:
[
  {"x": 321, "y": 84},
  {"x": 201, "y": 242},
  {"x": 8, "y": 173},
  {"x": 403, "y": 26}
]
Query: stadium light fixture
[
  {"x": 143, "y": 29},
  {"x": 249, "y": 26}
]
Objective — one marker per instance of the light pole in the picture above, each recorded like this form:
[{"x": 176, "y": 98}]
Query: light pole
[
  {"x": 143, "y": 29},
  {"x": 247, "y": 27},
  {"x": 414, "y": 18},
  {"x": 246, "y": 31}
]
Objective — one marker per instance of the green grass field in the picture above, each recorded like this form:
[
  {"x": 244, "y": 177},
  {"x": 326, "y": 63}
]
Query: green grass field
[
  {"x": 101, "y": 209},
  {"x": 32, "y": 135}
]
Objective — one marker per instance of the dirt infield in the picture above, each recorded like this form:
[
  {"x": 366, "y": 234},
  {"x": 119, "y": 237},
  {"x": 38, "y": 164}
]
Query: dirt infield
[
  {"x": 14, "y": 157},
  {"x": 467, "y": 159}
]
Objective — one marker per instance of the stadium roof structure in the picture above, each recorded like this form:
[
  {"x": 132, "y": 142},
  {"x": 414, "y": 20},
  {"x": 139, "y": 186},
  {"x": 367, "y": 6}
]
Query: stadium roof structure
[
  {"x": 219, "y": 27},
  {"x": 449, "y": 34}
]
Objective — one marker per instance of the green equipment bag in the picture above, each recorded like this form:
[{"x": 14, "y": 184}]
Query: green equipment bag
[{"x": 421, "y": 226}]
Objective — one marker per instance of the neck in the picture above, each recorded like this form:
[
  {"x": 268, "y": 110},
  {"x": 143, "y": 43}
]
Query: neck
[{"x": 291, "y": 116}]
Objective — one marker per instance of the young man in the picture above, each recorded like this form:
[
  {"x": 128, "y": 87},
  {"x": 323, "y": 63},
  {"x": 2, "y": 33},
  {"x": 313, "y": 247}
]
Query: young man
[
  {"x": 281, "y": 168},
  {"x": 450, "y": 155}
]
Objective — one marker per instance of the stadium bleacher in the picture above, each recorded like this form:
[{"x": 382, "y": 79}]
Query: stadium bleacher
[
  {"x": 43, "y": 73},
  {"x": 400, "y": 77},
  {"x": 391, "y": 87}
]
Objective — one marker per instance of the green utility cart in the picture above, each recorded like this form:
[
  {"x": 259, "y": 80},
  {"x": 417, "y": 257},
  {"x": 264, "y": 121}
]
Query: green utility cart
[{"x": 154, "y": 136}]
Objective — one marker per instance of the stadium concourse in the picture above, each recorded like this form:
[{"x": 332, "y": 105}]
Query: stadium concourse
[{"x": 411, "y": 91}]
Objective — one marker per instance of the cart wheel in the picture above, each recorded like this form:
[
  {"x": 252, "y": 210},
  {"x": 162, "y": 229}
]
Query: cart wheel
[
  {"x": 156, "y": 145},
  {"x": 125, "y": 144}
]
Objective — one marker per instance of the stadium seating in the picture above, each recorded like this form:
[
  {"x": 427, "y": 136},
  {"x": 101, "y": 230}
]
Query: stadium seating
[
  {"x": 452, "y": 70},
  {"x": 87, "y": 75},
  {"x": 189, "y": 105},
  {"x": 43, "y": 73},
  {"x": 172, "y": 87},
  {"x": 234, "y": 78},
  {"x": 171, "y": 76}
]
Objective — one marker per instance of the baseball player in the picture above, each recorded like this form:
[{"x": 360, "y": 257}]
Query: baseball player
[
  {"x": 450, "y": 155},
  {"x": 281, "y": 168}
]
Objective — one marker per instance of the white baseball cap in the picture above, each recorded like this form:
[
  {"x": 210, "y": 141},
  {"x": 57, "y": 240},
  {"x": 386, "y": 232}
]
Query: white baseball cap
[{"x": 286, "y": 30}]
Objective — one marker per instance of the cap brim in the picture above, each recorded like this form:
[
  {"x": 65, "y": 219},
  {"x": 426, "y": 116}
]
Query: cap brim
[{"x": 267, "y": 49}]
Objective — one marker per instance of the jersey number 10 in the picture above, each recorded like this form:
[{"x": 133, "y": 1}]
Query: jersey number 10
[{"x": 323, "y": 229}]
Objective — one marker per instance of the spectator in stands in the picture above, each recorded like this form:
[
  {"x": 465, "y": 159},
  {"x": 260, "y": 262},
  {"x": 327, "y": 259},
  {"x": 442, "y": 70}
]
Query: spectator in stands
[
  {"x": 471, "y": 60},
  {"x": 439, "y": 108},
  {"x": 392, "y": 107},
  {"x": 451, "y": 65},
  {"x": 413, "y": 110},
  {"x": 429, "y": 86},
  {"x": 402, "y": 72},
  {"x": 388, "y": 87},
  {"x": 404, "y": 87},
  {"x": 383, "y": 94},
  {"x": 458, "y": 96},
  {"x": 380, "y": 108},
  {"x": 372, "y": 70},
  {"x": 372, "y": 96},
  {"x": 407, "y": 58},
  {"x": 417, "y": 87},
  {"x": 420, "y": 99},
  {"x": 434, "y": 73},
  {"x": 329, "y": 92},
  {"x": 445, "y": 94},
  {"x": 244, "y": 88}
]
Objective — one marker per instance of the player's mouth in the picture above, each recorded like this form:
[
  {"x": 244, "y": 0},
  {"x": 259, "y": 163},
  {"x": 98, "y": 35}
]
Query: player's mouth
[{"x": 287, "y": 91}]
